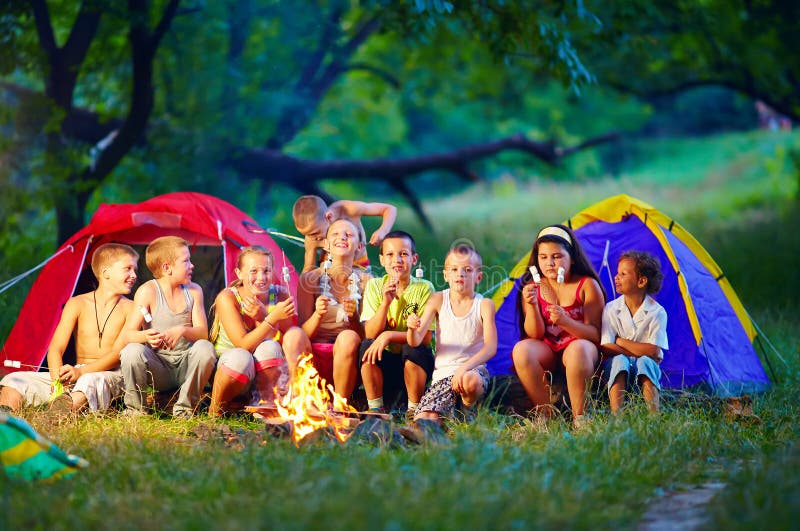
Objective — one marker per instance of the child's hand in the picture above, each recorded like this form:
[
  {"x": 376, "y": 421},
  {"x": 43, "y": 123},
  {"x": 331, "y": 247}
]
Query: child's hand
[
  {"x": 529, "y": 293},
  {"x": 350, "y": 306},
  {"x": 390, "y": 289},
  {"x": 313, "y": 242},
  {"x": 154, "y": 338},
  {"x": 413, "y": 321},
  {"x": 377, "y": 237},
  {"x": 458, "y": 383},
  {"x": 321, "y": 305},
  {"x": 557, "y": 314},
  {"x": 172, "y": 335},
  {"x": 375, "y": 351},
  {"x": 254, "y": 308},
  {"x": 69, "y": 374},
  {"x": 284, "y": 309}
]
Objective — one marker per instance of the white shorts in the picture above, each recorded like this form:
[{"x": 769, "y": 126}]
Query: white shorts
[{"x": 100, "y": 388}]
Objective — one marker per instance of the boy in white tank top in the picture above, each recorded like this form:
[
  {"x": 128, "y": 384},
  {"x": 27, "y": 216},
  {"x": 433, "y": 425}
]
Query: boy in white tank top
[{"x": 466, "y": 337}]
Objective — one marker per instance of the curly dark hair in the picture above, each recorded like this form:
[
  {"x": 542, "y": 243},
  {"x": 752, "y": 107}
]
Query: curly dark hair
[{"x": 647, "y": 266}]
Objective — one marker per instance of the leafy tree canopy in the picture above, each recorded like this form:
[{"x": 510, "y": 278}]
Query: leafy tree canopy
[{"x": 246, "y": 94}]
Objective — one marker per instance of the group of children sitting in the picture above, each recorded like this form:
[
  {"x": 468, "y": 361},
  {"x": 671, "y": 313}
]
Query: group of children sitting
[{"x": 160, "y": 340}]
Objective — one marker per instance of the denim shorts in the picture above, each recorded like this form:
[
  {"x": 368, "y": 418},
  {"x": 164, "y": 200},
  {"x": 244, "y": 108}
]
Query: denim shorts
[{"x": 635, "y": 367}]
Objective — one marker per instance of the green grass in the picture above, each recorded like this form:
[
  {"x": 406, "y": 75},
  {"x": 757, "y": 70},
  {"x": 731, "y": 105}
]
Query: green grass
[{"x": 498, "y": 472}]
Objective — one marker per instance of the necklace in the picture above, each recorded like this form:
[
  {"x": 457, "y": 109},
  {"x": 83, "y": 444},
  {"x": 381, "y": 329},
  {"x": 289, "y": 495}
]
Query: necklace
[{"x": 97, "y": 318}]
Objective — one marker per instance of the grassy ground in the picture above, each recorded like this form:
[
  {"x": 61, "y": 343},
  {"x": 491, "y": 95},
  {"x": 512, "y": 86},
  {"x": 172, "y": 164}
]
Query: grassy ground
[{"x": 499, "y": 471}]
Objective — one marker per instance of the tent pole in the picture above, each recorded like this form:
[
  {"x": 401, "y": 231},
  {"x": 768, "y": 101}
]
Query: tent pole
[
  {"x": 83, "y": 261},
  {"x": 224, "y": 254},
  {"x": 766, "y": 339},
  {"x": 766, "y": 358}
]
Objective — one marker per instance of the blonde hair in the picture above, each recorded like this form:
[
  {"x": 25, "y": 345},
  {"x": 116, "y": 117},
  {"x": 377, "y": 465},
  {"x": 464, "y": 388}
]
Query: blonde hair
[
  {"x": 308, "y": 209},
  {"x": 257, "y": 250},
  {"x": 162, "y": 251},
  {"x": 468, "y": 250},
  {"x": 108, "y": 253},
  {"x": 247, "y": 251}
]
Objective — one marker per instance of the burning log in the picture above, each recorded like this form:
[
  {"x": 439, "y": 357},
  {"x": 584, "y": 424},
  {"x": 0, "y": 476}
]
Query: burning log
[{"x": 311, "y": 405}]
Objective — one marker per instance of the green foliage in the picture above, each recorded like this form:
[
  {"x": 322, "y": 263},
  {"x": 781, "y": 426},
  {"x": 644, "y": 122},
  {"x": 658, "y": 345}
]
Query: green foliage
[
  {"x": 672, "y": 45},
  {"x": 499, "y": 472}
]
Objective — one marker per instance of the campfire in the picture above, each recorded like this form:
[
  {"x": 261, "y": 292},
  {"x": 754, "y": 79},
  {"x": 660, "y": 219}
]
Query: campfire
[{"x": 310, "y": 405}]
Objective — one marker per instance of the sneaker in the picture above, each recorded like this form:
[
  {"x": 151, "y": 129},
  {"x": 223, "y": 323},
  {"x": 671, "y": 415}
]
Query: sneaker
[
  {"x": 131, "y": 412},
  {"x": 580, "y": 422},
  {"x": 409, "y": 415},
  {"x": 182, "y": 414},
  {"x": 61, "y": 406}
]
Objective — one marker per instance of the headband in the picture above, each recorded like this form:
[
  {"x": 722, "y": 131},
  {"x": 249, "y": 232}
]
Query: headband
[{"x": 555, "y": 231}]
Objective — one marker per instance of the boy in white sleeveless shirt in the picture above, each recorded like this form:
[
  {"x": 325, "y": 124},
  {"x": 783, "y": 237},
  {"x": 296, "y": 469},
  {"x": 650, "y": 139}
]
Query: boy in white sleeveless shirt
[{"x": 466, "y": 337}]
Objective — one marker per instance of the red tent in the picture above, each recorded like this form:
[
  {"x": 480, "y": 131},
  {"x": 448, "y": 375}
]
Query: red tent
[{"x": 215, "y": 230}]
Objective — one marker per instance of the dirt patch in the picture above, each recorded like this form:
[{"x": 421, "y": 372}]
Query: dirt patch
[{"x": 680, "y": 510}]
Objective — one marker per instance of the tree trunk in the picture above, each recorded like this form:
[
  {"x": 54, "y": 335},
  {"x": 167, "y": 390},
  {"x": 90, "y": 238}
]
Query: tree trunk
[{"x": 70, "y": 210}]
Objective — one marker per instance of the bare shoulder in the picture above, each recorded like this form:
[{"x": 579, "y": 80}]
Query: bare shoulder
[
  {"x": 591, "y": 287},
  {"x": 146, "y": 293},
  {"x": 77, "y": 300},
  {"x": 435, "y": 301},
  {"x": 78, "y": 304},
  {"x": 226, "y": 298},
  {"x": 487, "y": 305},
  {"x": 195, "y": 290}
]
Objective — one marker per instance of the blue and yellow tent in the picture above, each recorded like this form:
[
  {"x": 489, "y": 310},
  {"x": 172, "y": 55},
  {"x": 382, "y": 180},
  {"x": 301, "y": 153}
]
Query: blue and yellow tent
[
  {"x": 24, "y": 454},
  {"x": 710, "y": 334}
]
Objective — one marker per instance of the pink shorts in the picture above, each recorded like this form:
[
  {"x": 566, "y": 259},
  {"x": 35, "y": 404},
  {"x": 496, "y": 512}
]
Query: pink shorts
[{"x": 322, "y": 358}]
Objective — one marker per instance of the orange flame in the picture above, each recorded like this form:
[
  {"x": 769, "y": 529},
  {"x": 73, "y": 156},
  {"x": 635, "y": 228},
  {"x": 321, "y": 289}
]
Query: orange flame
[{"x": 308, "y": 404}]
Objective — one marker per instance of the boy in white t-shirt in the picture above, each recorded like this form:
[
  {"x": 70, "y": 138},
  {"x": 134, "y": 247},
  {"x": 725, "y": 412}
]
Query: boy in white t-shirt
[{"x": 635, "y": 330}]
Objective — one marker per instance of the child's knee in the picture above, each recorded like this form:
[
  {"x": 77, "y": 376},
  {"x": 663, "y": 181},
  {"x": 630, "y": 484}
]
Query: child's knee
[
  {"x": 132, "y": 354},
  {"x": 237, "y": 363},
  {"x": 268, "y": 354},
  {"x": 203, "y": 351},
  {"x": 473, "y": 384},
  {"x": 295, "y": 340},
  {"x": 348, "y": 341}
]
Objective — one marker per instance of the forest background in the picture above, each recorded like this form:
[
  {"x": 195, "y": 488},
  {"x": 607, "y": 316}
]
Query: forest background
[{"x": 480, "y": 120}]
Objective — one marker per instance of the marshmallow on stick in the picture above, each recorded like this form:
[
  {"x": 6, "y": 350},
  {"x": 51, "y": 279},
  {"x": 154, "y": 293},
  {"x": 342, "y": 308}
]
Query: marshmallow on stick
[
  {"x": 148, "y": 319},
  {"x": 419, "y": 272},
  {"x": 560, "y": 277},
  {"x": 285, "y": 272},
  {"x": 537, "y": 278},
  {"x": 325, "y": 279},
  {"x": 355, "y": 294}
]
